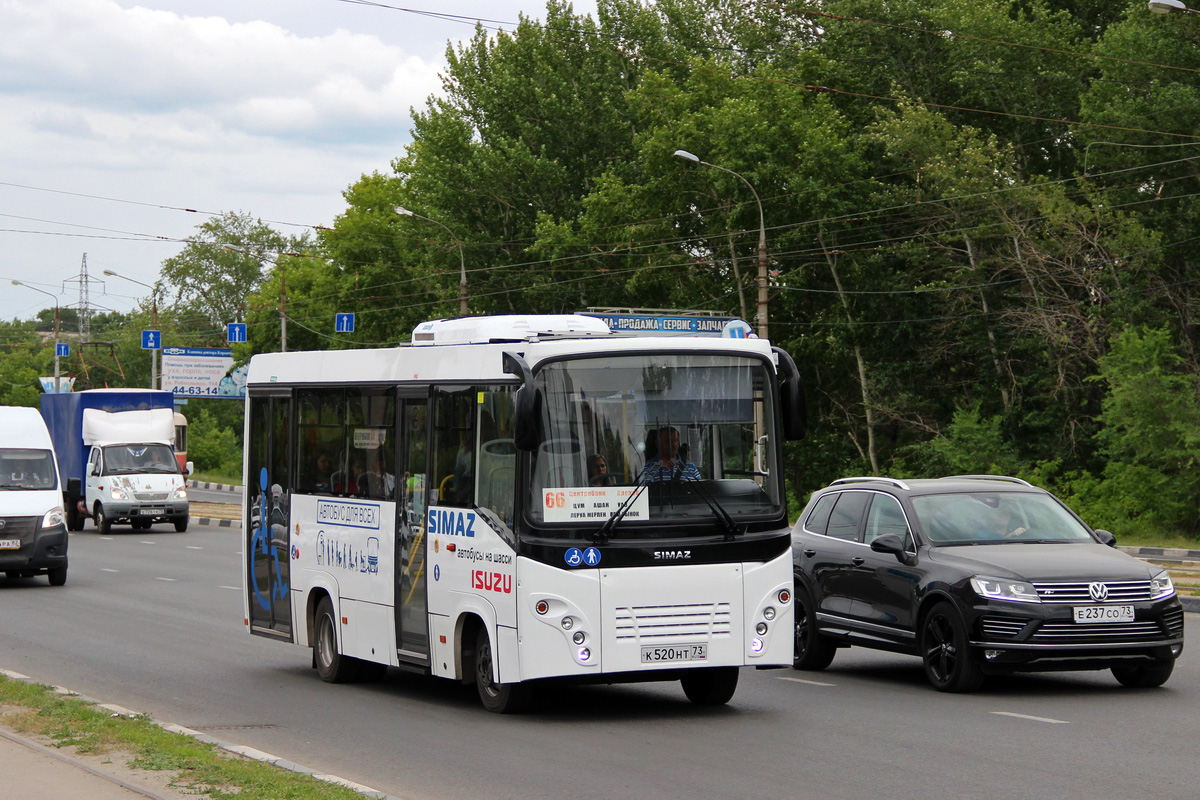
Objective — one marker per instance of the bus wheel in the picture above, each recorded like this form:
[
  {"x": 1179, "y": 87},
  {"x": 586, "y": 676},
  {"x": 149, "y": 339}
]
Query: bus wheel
[
  {"x": 710, "y": 686},
  {"x": 331, "y": 665},
  {"x": 502, "y": 698}
]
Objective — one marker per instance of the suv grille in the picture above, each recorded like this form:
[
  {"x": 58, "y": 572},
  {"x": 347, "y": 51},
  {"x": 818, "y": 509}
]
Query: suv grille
[
  {"x": 1000, "y": 628},
  {"x": 661, "y": 622},
  {"x": 1104, "y": 632},
  {"x": 1172, "y": 620},
  {"x": 1077, "y": 592}
]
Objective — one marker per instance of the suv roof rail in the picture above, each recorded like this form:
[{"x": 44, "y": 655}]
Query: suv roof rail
[
  {"x": 1005, "y": 478},
  {"x": 869, "y": 478}
]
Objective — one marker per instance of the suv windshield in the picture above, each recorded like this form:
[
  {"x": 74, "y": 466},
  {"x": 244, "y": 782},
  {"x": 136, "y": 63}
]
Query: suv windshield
[
  {"x": 124, "y": 458},
  {"x": 26, "y": 469},
  {"x": 980, "y": 517},
  {"x": 695, "y": 432}
]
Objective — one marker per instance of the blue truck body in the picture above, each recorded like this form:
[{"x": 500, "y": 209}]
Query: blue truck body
[{"x": 64, "y": 417}]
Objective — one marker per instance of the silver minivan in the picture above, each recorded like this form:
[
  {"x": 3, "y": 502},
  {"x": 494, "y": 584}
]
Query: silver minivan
[{"x": 33, "y": 531}]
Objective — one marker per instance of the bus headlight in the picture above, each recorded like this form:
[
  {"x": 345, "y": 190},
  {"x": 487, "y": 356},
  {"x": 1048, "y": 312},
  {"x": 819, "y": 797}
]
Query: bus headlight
[
  {"x": 769, "y": 613},
  {"x": 761, "y": 629},
  {"x": 579, "y": 637},
  {"x": 567, "y": 623}
]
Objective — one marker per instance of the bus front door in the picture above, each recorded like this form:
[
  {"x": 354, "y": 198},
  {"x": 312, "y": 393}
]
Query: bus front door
[{"x": 412, "y": 620}]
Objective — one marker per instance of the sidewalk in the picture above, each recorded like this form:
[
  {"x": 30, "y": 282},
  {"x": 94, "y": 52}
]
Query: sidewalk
[{"x": 33, "y": 771}]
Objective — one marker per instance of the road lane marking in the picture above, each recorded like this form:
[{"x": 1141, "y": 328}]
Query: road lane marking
[
  {"x": 147, "y": 541},
  {"x": 1031, "y": 717},
  {"x": 106, "y": 569},
  {"x": 802, "y": 680},
  {"x": 168, "y": 580},
  {"x": 235, "y": 588}
]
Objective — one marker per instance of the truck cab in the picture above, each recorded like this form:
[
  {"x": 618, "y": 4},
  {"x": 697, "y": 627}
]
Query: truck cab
[{"x": 135, "y": 482}]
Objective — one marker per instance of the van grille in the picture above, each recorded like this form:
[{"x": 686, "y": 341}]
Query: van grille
[
  {"x": 674, "y": 621},
  {"x": 150, "y": 497},
  {"x": 17, "y": 527}
]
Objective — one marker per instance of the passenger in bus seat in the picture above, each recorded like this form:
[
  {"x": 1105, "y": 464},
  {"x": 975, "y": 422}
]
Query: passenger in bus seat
[
  {"x": 322, "y": 480},
  {"x": 670, "y": 460}
]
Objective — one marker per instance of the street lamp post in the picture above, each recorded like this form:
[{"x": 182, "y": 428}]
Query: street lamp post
[
  {"x": 1168, "y": 6},
  {"x": 462, "y": 275},
  {"x": 153, "y": 323},
  {"x": 57, "y": 384},
  {"x": 762, "y": 238}
]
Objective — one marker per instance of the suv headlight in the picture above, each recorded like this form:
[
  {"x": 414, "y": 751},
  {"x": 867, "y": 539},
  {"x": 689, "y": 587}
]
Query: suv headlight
[
  {"x": 997, "y": 589},
  {"x": 52, "y": 518},
  {"x": 1161, "y": 586}
]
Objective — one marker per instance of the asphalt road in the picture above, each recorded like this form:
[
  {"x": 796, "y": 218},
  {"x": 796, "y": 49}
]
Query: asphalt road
[{"x": 153, "y": 621}]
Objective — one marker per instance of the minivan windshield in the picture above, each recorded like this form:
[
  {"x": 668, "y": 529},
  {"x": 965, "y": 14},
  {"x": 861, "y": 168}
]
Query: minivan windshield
[
  {"x": 990, "y": 517},
  {"x": 22, "y": 468},
  {"x": 692, "y": 435}
]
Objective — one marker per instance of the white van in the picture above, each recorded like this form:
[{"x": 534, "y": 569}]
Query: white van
[{"x": 33, "y": 530}]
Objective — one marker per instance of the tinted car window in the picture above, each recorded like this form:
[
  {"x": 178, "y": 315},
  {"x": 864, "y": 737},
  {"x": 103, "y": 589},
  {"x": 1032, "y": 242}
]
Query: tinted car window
[
  {"x": 818, "y": 519},
  {"x": 983, "y": 516},
  {"x": 884, "y": 517},
  {"x": 843, "y": 522}
]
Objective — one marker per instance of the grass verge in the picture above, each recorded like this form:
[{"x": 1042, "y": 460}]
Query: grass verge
[{"x": 199, "y": 768}]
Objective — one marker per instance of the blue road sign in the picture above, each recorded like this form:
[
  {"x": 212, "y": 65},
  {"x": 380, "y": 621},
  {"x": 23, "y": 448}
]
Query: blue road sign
[
  {"x": 151, "y": 340},
  {"x": 62, "y": 350},
  {"x": 343, "y": 323},
  {"x": 235, "y": 332}
]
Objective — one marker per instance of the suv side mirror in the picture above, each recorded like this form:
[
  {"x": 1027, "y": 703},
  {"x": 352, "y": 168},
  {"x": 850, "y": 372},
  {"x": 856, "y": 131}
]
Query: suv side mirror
[
  {"x": 1106, "y": 537},
  {"x": 894, "y": 544}
]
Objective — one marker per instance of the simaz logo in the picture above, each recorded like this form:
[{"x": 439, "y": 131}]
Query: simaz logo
[{"x": 672, "y": 555}]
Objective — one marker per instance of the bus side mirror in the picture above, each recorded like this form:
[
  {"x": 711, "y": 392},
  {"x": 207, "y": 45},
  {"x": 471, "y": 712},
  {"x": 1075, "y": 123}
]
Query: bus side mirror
[
  {"x": 526, "y": 408},
  {"x": 791, "y": 397}
]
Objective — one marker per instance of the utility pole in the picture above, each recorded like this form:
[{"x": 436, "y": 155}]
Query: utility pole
[{"x": 282, "y": 311}]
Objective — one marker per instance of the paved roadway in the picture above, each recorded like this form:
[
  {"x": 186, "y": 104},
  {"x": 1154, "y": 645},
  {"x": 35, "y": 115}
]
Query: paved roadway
[{"x": 153, "y": 621}]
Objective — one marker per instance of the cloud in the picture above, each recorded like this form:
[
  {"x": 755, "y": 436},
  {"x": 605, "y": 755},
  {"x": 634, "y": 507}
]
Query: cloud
[{"x": 93, "y": 59}]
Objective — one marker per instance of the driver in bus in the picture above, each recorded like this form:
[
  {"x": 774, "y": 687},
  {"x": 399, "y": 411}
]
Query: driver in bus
[{"x": 669, "y": 464}]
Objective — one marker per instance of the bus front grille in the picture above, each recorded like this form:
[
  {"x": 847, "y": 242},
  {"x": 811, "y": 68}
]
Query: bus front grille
[{"x": 655, "y": 623}]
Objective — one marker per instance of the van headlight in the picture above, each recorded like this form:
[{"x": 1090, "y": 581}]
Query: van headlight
[
  {"x": 52, "y": 518},
  {"x": 118, "y": 494},
  {"x": 181, "y": 493},
  {"x": 1161, "y": 586},
  {"x": 997, "y": 589}
]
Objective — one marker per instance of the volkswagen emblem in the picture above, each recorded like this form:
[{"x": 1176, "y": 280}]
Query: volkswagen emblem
[{"x": 1098, "y": 591}]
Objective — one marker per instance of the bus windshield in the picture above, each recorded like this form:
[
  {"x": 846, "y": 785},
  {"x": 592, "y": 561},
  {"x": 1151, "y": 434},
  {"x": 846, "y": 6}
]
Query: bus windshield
[{"x": 692, "y": 435}]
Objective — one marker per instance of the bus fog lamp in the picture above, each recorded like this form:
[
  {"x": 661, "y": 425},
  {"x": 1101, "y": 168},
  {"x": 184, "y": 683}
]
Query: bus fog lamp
[
  {"x": 761, "y": 629},
  {"x": 584, "y": 654},
  {"x": 578, "y": 637},
  {"x": 567, "y": 623},
  {"x": 756, "y": 645},
  {"x": 769, "y": 613},
  {"x": 992, "y": 655}
]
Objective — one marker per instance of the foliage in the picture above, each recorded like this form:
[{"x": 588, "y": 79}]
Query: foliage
[{"x": 213, "y": 446}]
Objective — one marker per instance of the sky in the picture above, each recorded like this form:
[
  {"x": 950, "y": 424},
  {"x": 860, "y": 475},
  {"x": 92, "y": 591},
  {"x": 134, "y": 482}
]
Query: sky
[{"x": 123, "y": 125}]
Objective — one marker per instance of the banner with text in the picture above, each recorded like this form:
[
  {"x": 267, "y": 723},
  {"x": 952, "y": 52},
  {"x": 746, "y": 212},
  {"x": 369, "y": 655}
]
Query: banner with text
[{"x": 202, "y": 372}]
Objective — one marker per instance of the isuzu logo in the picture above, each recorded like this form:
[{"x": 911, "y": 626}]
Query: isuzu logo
[{"x": 1098, "y": 591}]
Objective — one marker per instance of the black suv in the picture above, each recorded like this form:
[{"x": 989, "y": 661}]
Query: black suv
[{"x": 978, "y": 575}]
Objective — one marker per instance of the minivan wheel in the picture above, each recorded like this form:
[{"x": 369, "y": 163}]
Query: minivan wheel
[
  {"x": 58, "y": 576},
  {"x": 1144, "y": 676},
  {"x": 944, "y": 650}
]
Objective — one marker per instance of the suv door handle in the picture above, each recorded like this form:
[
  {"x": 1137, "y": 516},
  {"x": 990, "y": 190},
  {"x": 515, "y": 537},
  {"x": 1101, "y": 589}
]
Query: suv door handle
[
  {"x": 810, "y": 553},
  {"x": 858, "y": 561}
]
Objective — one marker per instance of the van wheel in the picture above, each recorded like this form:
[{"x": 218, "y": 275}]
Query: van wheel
[
  {"x": 501, "y": 698},
  {"x": 332, "y": 666},
  {"x": 181, "y": 524},
  {"x": 74, "y": 523},
  {"x": 58, "y": 576},
  {"x": 103, "y": 523}
]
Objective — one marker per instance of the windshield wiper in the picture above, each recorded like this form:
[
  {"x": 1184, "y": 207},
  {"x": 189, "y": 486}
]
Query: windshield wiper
[
  {"x": 601, "y": 534},
  {"x": 723, "y": 516}
]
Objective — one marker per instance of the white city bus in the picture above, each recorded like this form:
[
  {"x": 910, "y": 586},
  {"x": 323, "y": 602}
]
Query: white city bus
[{"x": 430, "y": 507}]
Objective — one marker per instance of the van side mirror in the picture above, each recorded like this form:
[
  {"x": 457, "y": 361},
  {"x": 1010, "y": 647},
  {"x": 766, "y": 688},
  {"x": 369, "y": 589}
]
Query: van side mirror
[
  {"x": 95, "y": 471},
  {"x": 189, "y": 468}
]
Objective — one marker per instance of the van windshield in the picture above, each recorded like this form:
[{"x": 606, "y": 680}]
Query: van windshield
[
  {"x": 120, "y": 459},
  {"x": 22, "y": 468}
]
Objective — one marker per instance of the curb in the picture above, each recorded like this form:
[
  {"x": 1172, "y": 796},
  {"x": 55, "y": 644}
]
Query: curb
[
  {"x": 215, "y": 487},
  {"x": 237, "y": 749},
  {"x": 221, "y": 523},
  {"x": 1166, "y": 553}
]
